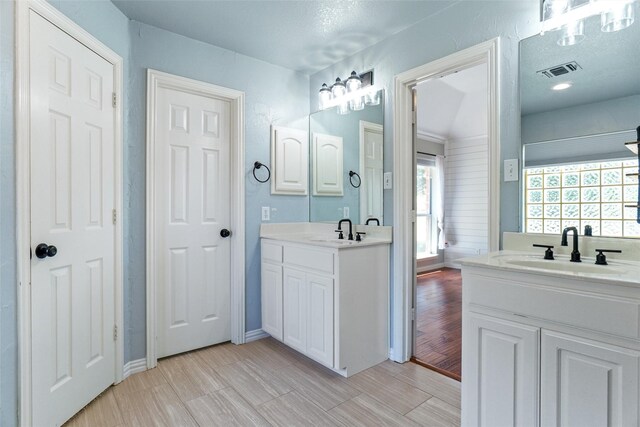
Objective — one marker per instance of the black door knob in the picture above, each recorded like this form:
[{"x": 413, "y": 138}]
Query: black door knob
[
  {"x": 225, "y": 233},
  {"x": 43, "y": 250}
]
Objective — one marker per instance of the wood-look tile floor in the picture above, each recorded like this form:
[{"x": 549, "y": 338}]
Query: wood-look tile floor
[
  {"x": 264, "y": 383},
  {"x": 439, "y": 319}
]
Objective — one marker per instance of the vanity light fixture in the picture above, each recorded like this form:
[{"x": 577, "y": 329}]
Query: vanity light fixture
[
  {"x": 351, "y": 94},
  {"x": 568, "y": 16},
  {"x": 562, "y": 86}
]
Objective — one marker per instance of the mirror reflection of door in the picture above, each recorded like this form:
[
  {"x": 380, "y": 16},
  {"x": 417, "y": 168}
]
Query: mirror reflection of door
[{"x": 371, "y": 171}]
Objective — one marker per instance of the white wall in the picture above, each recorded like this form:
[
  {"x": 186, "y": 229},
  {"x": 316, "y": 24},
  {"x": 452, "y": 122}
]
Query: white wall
[{"x": 466, "y": 198}]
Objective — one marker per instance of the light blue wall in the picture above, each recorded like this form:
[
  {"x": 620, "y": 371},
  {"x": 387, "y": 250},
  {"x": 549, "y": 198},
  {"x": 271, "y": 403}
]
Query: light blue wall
[
  {"x": 328, "y": 122},
  {"x": 463, "y": 25},
  {"x": 589, "y": 119},
  {"x": 8, "y": 295},
  {"x": 460, "y": 26},
  {"x": 274, "y": 95}
]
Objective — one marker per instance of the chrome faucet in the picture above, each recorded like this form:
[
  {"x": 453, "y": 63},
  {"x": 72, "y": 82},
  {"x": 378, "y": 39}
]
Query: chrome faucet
[
  {"x": 350, "y": 227},
  {"x": 575, "y": 254}
]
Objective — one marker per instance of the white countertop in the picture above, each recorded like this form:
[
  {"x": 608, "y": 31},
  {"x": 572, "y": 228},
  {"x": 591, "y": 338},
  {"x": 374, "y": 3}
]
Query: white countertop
[
  {"x": 617, "y": 271},
  {"x": 323, "y": 234}
]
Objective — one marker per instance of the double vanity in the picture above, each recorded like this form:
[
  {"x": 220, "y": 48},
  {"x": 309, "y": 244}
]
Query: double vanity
[
  {"x": 551, "y": 342},
  {"x": 327, "y": 297}
]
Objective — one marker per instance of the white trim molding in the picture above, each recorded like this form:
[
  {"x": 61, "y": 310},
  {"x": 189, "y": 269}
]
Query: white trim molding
[
  {"x": 256, "y": 334},
  {"x": 134, "y": 367},
  {"x": 403, "y": 154},
  {"x": 23, "y": 185},
  {"x": 156, "y": 80}
]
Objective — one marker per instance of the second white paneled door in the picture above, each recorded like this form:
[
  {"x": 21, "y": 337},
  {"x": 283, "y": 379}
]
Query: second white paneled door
[{"x": 192, "y": 216}]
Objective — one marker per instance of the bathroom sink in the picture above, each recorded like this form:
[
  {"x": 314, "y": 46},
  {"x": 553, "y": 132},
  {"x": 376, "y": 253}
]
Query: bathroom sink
[{"x": 564, "y": 265}]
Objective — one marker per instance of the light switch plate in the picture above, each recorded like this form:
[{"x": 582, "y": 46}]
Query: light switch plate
[
  {"x": 511, "y": 170},
  {"x": 388, "y": 181},
  {"x": 266, "y": 213},
  {"x": 346, "y": 212}
]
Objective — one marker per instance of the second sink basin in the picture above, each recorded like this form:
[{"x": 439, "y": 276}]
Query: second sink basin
[{"x": 563, "y": 265}]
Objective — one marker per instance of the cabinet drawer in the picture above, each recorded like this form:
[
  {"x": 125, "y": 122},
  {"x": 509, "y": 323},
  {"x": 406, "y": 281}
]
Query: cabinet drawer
[
  {"x": 320, "y": 260},
  {"x": 613, "y": 315},
  {"x": 271, "y": 251}
]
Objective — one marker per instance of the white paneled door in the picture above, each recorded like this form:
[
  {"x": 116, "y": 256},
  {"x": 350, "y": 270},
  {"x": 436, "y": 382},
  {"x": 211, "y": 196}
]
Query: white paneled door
[
  {"x": 72, "y": 148},
  {"x": 192, "y": 216}
]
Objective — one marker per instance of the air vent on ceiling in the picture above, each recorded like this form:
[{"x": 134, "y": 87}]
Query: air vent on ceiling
[{"x": 560, "y": 70}]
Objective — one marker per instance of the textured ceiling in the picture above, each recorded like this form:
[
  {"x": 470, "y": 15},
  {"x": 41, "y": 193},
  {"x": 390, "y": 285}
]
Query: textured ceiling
[
  {"x": 307, "y": 36},
  {"x": 610, "y": 68}
]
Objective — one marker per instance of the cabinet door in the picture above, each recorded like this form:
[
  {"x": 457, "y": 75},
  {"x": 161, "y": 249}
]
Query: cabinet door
[
  {"x": 587, "y": 383},
  {"x": 500, "y": 371},
  {"x": 327, "y": 165},
  {"x": 320, "y": 319},
  {"x": 290, "y": 160},
  {"x": 295, "y": 309},
  {"x": 272, "y": 299}
]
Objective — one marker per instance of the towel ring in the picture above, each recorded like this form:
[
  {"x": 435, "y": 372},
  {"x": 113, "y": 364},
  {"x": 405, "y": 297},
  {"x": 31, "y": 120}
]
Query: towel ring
[
  {"x": 258, "y": 165},
  {"x": 351, "y": 174}
]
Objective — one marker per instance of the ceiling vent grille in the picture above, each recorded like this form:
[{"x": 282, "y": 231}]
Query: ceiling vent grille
[{"x": 560, "y": 70}]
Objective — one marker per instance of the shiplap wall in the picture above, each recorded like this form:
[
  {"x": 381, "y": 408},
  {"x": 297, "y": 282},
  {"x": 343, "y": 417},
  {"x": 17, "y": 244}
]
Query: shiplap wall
[{"x": 466, "y": 198}]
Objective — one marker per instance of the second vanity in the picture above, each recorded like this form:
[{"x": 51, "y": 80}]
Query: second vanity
[
  {"x": 325, "y": 297},
  {"x": 550, "y": 342}
]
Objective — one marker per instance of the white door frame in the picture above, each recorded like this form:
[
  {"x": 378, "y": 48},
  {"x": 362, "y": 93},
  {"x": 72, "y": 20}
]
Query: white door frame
[
  {"x": 156, "y": 80},
  {"x": 403, "y": 152},
  {"x": 364, "y": 126},
  {"x": 23, "y": 185}
]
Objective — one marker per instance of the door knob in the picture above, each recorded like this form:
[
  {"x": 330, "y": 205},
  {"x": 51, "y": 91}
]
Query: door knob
[
  {"x": 43, "y": 250},
  {"x": 225, "y": 233}
]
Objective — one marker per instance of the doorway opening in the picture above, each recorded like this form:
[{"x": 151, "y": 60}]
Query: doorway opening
[{"x": 452, "y": 202}]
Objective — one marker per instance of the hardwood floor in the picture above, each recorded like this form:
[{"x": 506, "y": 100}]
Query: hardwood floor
[
  {"x": 439, "y": 320},
  {"x": 264, "y": 383}
]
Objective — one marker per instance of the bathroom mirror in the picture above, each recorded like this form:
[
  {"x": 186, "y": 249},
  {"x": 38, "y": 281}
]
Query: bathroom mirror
[
  {"x": 340, "y": 144},
  {"x": 579, "y": 105}
]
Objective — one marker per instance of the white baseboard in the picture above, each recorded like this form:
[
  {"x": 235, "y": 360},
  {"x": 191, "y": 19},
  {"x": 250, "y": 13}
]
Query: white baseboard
[
  {"x": 254, "y": 335},
  {"x": 430, "y": 268},
  {"x": 134, "y": 367}
]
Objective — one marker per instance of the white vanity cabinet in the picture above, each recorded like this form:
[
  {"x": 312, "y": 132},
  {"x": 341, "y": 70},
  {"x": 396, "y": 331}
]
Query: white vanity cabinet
[
  {"x": 330, "y": 304},
  {"x": 543, "y": 350}
]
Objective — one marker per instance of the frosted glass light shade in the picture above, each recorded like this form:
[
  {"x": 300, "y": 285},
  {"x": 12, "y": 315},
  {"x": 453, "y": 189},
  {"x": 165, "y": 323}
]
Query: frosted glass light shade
[
  {"x": 338, "y": 88},
  {"x": 571, "y": 33},
  {"x": 554, "y": 8},
  {"x": 324, "y": 96},
  {"x": 372, "y": 98},
  {"x": 343, "y": 108},
  {"x": 620, "y": 16}
]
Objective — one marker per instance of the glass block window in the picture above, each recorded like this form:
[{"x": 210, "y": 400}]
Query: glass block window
[{"x": 584, "y": 194}]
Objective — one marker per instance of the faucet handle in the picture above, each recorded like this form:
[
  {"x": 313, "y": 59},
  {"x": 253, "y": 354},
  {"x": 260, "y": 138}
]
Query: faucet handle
[
  {"x": 341, "y": 235},
  {"x": 601, "y": 258},
  {"x": 548, "y": 254},
  {"x": 358, "y": 235}
]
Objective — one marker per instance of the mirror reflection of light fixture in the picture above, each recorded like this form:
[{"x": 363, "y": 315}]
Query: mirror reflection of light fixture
[
  {"x": 351, "y": 94},
  {"x": 568, "y": 16},
  {"x": 571, "y": 33},
  {"x": 620, "y": 16}
]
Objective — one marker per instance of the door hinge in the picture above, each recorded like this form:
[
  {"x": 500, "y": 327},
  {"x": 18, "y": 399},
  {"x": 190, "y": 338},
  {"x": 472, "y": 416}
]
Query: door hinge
[
  {"x": 413, "y": 314},
  {"x": 115, "y": 332},
  {"x": 114, "y": 216},
  {"x": 114, "y": 100}
]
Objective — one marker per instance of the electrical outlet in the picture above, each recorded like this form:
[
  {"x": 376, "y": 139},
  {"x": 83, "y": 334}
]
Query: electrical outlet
[
  {"x": 345, "y": 212},
  {"x": 266, "y": 213},
  {"x": 387, "y": 181}
]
